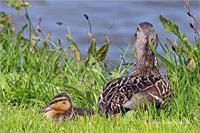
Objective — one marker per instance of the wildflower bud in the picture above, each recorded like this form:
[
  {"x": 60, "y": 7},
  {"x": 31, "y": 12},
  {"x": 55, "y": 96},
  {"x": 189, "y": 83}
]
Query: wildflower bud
[
  {"x": 191, "y": 26},
  {"x": 184, "y": 39},
  {"x": 51, "y": 50},
  {"x": 59, "y": 41},
  {"x": 39, "y": 30},
  {"x": 105, "y": 65},
  {"x": 86, "y": 16},
  {"x": 121, "y": 57},
  {"x": 173, "y": 48},
  {"x": 188, "y": 14},
  {"x": 40, "y": 19},
  {"x": 35, "y": 38},
  {"x": 59, "y": 23},
  {"x": 31, "y": 49},
  {"x": 26, "y": 15}
]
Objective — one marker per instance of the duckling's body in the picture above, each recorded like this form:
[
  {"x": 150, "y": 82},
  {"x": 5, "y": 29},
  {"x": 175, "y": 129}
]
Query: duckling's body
[
  {"x": 145, "y": 82},
  {"x": 60, "y": 107}
]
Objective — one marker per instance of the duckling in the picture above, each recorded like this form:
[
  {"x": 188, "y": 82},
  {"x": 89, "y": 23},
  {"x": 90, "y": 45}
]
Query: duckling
[
  {"x": 60, "y": 107},
  {"x": 143, "y": 84}
]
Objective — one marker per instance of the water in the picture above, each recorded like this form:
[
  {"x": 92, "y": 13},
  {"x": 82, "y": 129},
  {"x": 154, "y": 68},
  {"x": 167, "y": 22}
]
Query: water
[{"x": 125, "y": 16}]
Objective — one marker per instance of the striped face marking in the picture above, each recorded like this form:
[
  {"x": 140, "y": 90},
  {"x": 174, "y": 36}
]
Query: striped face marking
[
  {"x": 58, "y": 104},
  {"x": 57, "y": 100}
]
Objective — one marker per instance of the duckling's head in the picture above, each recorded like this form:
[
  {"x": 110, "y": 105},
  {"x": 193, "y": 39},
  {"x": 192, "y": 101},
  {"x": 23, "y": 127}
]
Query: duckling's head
[{"x": 58, "y": 104}]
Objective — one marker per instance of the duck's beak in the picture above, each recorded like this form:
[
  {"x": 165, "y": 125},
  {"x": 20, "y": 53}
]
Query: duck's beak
[{"x": 46, "y": 109}]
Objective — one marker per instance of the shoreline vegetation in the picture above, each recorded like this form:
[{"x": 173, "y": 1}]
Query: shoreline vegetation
[{"x": 34, "y": 69}]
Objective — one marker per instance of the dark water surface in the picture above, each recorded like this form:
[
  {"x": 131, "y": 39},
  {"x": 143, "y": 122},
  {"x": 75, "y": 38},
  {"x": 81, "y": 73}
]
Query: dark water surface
[{"x": 124, "y": 15}]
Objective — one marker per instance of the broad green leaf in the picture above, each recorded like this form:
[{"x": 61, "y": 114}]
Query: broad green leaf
[
  {"x": 92, "y": 49},
  {"x": 191, "y": 65},
  {"x": 75, "y": 50},
  {"x": 17, "y": 4},
  {"x": 102, "y": 51},
  {"x": 172, "y": 27}
]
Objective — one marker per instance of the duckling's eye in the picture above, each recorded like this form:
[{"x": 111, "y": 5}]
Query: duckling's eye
[
  {"x": 63, "y": 102},
  {"x": 138, "y": 29}
]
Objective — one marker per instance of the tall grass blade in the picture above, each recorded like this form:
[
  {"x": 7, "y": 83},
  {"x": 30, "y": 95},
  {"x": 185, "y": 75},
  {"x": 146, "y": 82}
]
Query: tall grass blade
[{"x": 165, "y": 61}]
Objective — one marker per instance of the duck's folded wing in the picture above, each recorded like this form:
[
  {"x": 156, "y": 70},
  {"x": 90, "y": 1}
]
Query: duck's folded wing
[{"x": 125, "y": 91}]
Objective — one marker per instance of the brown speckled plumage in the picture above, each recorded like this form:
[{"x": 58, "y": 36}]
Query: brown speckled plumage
[{"x": 144, "y": 83}]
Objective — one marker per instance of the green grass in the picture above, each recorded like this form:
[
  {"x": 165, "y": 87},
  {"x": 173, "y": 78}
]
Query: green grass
[
  {"x": 29, "y": 120},
  {"x": 31, "y": 75},
  {"x": 28, "y": 84}
]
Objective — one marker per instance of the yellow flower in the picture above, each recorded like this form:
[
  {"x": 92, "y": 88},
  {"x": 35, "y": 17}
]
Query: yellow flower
[{"x": 184, "y": 39}]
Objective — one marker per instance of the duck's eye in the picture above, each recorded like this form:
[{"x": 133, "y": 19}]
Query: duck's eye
[
  {"x": 63, "y": 102},
  {"x": 138, "y": 29},
  {"x": 135, "y": 37}
]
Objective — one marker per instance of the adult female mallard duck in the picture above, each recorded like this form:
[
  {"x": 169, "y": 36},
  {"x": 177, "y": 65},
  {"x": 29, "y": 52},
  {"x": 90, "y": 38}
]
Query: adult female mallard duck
[
  {"x": 60, "y": 107},
  {"x": 145, "y": 82}
]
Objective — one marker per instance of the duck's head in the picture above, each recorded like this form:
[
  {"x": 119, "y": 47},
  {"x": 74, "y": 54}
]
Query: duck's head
[
  {"x": 144, "y": 55},
  {"x": 145, "y": 32},
  {"x": 58, "y": 104}
]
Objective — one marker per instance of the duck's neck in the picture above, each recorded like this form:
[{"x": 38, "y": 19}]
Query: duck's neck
[{"x": 145, "y": 64}]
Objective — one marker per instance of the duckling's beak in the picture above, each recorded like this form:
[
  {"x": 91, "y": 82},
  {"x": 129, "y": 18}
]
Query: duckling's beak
[{"x": 46, "y": 109}]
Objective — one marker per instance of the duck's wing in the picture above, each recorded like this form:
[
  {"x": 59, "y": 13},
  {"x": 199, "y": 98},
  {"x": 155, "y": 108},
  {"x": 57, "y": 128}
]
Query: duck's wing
[
  {"x": 121, "y": 94},
  {"x": 81, "y": 111}
]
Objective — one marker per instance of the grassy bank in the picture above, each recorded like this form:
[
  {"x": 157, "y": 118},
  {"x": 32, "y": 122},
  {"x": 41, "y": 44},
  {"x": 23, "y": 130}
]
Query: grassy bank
[
  {"x": 29, "y": 120},
  {"x": 29, "y": 79},
  {"x": 33, "y": 70}
]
